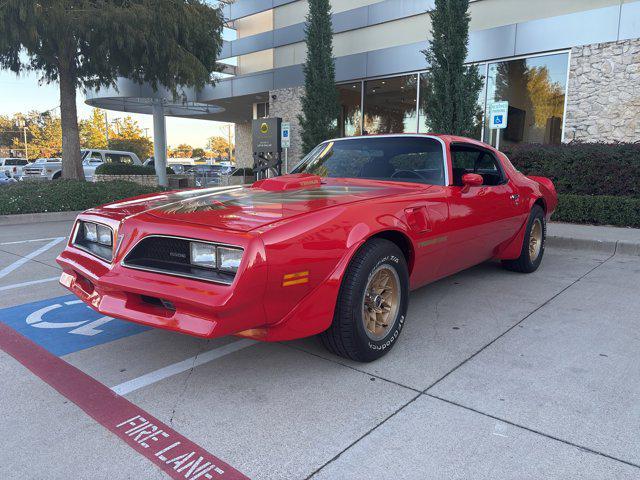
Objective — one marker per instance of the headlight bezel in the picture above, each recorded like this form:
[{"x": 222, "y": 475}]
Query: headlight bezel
[{"x": 102, "y": 250}]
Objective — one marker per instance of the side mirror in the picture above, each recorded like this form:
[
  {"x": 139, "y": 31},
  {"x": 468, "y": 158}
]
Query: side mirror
[{"x": 471, "y": 180}]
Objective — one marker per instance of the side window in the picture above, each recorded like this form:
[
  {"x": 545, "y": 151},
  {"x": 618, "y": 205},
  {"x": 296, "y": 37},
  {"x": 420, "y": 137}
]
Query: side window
[
  {"x": 96, "y": 157},
  {"x": 470, "y": 159},
  {"x": 118, "y": 158}
]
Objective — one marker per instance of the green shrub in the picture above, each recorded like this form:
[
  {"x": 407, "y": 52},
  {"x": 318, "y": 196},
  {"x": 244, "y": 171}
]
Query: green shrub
[
  {"x": 127, "y": 169},
  {"x": 598, "y": 210},
  {"x": 65, "y": 195},
  {"x": 583, "y": 168}
]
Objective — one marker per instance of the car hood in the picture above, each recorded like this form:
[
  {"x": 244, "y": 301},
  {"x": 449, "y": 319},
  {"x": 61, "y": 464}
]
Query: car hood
[{"x": 247, "y": 208}]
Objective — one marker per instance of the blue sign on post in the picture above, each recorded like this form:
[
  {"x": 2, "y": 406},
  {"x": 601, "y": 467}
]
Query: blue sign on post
[
  {"x": 65, "y": 324},
  {"x": 498, "y": 115}
]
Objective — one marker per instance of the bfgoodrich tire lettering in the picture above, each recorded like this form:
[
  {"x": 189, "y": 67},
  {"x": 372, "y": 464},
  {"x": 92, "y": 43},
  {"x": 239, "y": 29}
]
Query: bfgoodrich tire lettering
[{"x": 376, "y": 283}]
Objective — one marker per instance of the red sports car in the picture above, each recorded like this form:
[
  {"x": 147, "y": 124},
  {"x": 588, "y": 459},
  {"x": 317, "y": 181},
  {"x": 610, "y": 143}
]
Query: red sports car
[{"x": 332, "y": 249}]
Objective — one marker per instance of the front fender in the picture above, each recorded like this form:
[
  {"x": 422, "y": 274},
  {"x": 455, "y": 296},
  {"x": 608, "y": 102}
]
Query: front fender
[{"x": 313, "y": 312}]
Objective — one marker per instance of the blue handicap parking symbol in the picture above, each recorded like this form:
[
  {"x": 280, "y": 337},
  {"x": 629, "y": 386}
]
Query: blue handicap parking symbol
[
  {"x": 497, "y": 119},
  {"x": 65, "y": 324}
]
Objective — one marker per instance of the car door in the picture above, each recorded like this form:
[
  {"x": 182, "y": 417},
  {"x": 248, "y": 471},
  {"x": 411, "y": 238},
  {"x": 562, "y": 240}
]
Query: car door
[
  {"x": 92, "y": 161},
  {"x": 480, "y": 217}
]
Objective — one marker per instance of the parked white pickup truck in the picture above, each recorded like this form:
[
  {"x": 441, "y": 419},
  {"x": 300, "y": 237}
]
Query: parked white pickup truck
[
  {"x": 91, "y": 159},
  {"x": 13, "y": 167}
]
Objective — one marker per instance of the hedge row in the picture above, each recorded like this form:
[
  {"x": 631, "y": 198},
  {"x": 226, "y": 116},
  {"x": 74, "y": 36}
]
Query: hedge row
[
  {"x": 127, "y": 169},
  {"x": 64, "y": 195},
  {"x": 583, "y": 168},
  {"x": 598, "y": 210}
]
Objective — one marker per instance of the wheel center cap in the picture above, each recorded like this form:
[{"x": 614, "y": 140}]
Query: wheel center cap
[{"x": 377, "y": 301}]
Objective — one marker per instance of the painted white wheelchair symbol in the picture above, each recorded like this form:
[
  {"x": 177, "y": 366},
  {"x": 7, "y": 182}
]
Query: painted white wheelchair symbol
[{"x": 83, "y": 327}]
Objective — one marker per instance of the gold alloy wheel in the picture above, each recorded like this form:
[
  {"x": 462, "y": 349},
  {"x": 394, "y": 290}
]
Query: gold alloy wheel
[
  {"x": 535, "y": 240},
  {"x": 381, "y": 302}
]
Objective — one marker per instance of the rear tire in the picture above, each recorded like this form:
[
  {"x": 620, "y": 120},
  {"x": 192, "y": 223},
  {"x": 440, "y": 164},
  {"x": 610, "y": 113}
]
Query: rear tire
[
  {"x": 533, "y": 244},
  {"x": 372, "y": 303}
]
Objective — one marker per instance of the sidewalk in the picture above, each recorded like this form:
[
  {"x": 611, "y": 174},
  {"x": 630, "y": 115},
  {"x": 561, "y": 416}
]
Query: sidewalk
[{"x": 624, "y": 241}]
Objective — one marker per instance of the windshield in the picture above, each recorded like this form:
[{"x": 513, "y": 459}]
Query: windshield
[{"x": 405, "y": 159}]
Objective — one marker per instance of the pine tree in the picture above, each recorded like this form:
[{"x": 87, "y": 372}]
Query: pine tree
[
  {"x": 451, "y": 97},
  {"x": 320, "y": 107}
]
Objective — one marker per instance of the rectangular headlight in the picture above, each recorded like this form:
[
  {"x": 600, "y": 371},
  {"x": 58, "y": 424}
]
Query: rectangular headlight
[
  {"x": 203, "y": 255},
  {"x": 229, "y": 259},
  {"x": 104, "y": 236},
  {"x": 90, "y": 232}
]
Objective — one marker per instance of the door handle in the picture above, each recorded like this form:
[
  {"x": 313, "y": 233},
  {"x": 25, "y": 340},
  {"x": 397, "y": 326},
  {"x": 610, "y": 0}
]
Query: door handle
[{"x": 515, "y": 197}]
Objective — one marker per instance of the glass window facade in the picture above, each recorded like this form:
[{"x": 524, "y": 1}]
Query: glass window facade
[
  {"x": 350, "y": 98},
  {"x": 390, "y": 105},
  {"x": 535, "y": 88}
]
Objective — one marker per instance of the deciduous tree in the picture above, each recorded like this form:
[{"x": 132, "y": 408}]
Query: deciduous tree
[
  {"x": 90, "y": 43},
  {"x": 93, "y": 130},
  {"x": 218, "y": 147},
  {"x": 451, "y": 94}
]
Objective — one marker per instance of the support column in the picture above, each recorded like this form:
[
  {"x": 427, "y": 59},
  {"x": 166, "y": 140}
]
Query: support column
[{"x": 160, "y": 142}]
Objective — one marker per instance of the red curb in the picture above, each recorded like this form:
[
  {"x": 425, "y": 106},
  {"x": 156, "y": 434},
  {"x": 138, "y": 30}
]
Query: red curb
[{"x": 175, "y": 454}]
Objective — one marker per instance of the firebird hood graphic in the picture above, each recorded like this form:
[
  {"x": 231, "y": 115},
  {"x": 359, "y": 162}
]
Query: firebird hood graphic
[{"x": 246, "y": 208}]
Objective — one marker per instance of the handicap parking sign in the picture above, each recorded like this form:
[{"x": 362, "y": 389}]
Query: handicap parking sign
[
  {"x": 65, "y": 324},
  {"x": 498, "y": 115}
]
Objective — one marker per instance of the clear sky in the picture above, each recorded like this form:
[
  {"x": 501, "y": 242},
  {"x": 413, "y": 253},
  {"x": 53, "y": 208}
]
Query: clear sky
[{"x": 23, "y": 94}]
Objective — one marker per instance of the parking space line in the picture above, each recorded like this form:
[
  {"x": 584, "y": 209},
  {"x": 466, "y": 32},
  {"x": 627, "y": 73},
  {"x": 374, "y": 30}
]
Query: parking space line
[
  {"x": 183, "y": 366},
  {"x": 175, "y": 454},
  {"x": 18, "y": 263},
  {"x": 26, "y": 284},
  {"x": 30, "y": 241}
]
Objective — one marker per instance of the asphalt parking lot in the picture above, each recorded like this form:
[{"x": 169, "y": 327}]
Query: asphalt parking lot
[{"x": 497, "y": 375}]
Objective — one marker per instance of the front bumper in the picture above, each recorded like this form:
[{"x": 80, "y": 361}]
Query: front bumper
[{"x": 160, "y": 300}]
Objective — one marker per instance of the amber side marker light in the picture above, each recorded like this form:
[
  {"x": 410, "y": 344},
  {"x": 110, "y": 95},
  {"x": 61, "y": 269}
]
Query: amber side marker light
[{"x": 297, "y": 278}]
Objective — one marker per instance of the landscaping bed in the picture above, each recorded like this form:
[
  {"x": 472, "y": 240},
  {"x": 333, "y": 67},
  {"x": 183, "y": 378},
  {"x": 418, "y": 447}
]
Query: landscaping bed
[
  {"x": 597, "y": 183},
  {"x": 65, "y": 195}
]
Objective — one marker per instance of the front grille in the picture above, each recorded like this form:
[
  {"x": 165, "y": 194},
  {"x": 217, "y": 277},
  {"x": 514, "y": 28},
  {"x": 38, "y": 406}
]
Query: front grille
[{"x": 171, "y": 255}]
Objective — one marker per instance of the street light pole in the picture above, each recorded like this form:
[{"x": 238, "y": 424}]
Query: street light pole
[
  {"x": 26, "y": 145},
  {"x": 106, "y": 126},
  {"x": 230, "y": 148}
]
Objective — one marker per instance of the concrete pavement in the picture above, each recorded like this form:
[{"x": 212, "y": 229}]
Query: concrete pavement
[{"x": 496, "y": 375}]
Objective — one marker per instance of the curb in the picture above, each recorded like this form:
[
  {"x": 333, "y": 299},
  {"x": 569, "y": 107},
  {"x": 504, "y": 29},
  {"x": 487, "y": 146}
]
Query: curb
[
  {"x": 25, "y": 218},
  {"x": 604, "y": 246}
]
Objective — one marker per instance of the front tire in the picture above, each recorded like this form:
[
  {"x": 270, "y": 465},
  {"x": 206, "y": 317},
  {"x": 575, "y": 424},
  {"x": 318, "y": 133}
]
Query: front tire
[
  {"x": 372, "y": 303},
  {"x": 533, "y": 244}
]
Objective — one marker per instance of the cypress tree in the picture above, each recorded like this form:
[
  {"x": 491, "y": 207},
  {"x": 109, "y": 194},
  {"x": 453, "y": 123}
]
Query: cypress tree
[
  {"x": 450, "y": 99},
  {"x": 320, "y": 107}
]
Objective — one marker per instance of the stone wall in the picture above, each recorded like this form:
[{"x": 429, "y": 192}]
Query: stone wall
[
  {"x": 244, "y": 147},
  {"x": 604, "y": 93},
  {"x": 146, "y": 180},
  {"x": 288, "y": 105}
]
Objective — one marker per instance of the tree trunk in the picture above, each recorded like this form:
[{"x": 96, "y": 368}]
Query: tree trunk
[{"x": 71, "y": 158}]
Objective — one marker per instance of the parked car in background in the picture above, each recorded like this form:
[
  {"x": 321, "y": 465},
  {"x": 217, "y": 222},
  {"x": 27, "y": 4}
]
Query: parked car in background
[
  {"x": 208, "y": 175},
  {"x": 5, "y": 179},
  {"x": 178, "y": 165},
  {"x": 13, "y": 167},
  {"x": 51, "y": 168},
  {"x": 33, "y": 171}
]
